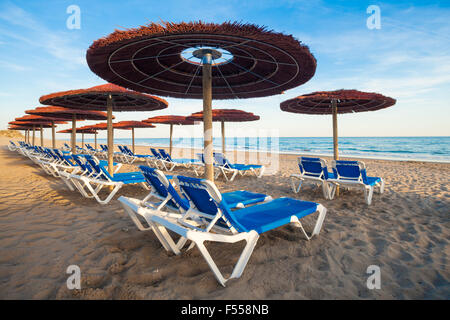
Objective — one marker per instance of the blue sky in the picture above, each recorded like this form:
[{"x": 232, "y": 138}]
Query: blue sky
[{"x": 407, "y": 59}]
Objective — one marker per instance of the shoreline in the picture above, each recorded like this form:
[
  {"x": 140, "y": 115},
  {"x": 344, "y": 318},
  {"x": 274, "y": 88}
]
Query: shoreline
[{"x": 282, "y": 153}]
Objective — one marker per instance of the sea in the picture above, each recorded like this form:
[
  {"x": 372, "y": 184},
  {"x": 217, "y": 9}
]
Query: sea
[{"x": 435, "y": 149}]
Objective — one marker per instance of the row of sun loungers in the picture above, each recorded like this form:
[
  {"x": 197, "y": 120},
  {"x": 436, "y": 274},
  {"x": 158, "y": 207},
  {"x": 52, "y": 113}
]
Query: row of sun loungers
[
  {"x": 349, "y": 174},
  {"x": 193, "y": 209}
]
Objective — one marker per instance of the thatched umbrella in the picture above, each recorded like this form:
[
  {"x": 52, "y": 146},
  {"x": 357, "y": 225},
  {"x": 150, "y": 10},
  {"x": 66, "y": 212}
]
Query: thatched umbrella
[
  {"x": 202, "y": 61},
  {"x": 36, "y": 123},
  {"x": 36, "y": 126},
  {"x": 52, "y": 120},
  {"x": 25, "y": 128},
  {"x": 130, "y": 125},
  {"x": 107, "y": 97},
  {"x": 83, "y": 131},
  {"x": 334, "y": 102},
  {"x": 69, "y": 113},
  {"x": 225, "y": 115},
  {"x": 171, "y": 120}
]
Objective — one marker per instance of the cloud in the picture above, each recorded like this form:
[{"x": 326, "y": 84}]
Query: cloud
[
  {"x": 22, "y": 26},
  {"x": 13, "y": 66}
]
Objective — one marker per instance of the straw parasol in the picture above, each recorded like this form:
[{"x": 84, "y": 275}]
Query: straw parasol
[
  {"x": 69, "y": 113},
  {"x": 26, "y": 129},
  {"x": 202, "y": 61},
  {"x": 51, "y": 120},
  {"x": 170, "y": 120},
  {"x": 35, "y": 125},
  {"x": 225, "y": 115},
  {"x": 131, "y": 125},
  {"x": 107, "y": 97},
  {"x": 334, "y": 102},
  {"x": 83, "y": 131}
]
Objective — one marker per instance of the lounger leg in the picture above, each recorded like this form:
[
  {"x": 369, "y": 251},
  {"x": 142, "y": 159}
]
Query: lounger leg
[
  {"x": 295, "y": 188},
  {"x": 322, "y": 211},
  {"x": 234, "y": 175},
  {"x": 325, "y": 189},
  {"x": 164, "y": 238},
  {"x": 382, "y": 186},
  {"x": 245, "y": 255},
  {"x": 261, "y": 171},
  {"x": 332, "y": 191},
  {"x": 201, "y": 247},
  {"x": 368, "y": 193}
]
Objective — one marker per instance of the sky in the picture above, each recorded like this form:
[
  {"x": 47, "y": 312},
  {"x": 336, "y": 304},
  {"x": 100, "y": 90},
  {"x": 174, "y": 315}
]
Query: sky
[{"x": 407, "y": 58}]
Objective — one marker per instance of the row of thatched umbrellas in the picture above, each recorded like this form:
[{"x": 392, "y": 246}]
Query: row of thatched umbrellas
[{"x": 202, "y": 61}]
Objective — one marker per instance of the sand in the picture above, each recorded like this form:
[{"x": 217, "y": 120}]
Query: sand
[{"x": 44, "y": 228}]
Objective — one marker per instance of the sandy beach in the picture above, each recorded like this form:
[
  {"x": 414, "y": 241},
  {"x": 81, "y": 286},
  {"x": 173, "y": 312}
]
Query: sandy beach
[{"x": 44, "y": 228}]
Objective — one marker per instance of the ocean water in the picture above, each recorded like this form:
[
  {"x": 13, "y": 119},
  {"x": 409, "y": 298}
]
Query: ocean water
[{"x": 395, "y": 148}]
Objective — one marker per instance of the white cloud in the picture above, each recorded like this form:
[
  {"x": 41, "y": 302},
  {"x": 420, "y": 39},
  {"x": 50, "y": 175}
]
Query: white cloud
[{"x": 36, "y": 34}]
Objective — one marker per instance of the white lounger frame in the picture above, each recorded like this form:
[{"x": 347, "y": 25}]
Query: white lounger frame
[
  {"x": 355, "y": 183},
  {"x": 296, "y": 180},
  {"x": 190, "y": 229}
]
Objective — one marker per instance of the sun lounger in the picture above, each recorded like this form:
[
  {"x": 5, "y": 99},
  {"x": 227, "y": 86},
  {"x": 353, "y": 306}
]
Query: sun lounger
[
  {"x": 12, "y": 146},
  {"x": 168, "y": 198},
  {"x": 352, "y": 174},
  {"x": 312, "y": 170},
  {"x": 221, "y": 224},
  {"x": 226, "y": 167},
  {"x": 90, "y": 187},
  {"x": 187, "y": 163}
]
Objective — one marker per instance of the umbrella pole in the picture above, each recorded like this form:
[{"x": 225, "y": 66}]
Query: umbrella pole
[
  {"x": 26, "y": 136},
  {"x": 335, "y": 135},
  {"x": 53, "y": 135},
  {"x": 42, "y": 136},
  {"x": 34, "y": 134},
  {"x": 95, "y": 135},
  {"x": 207, "y": 117},
  {"x": 110, "y": 135},
  {"x": 132, "y": 138},
  {"x": 223, "y": 138},
  {"x": 82, "y": 140},
  {"x": 171, "y": 132},
  {"x": 335, "y": 130},
  {"x": 73, "y": 137}
]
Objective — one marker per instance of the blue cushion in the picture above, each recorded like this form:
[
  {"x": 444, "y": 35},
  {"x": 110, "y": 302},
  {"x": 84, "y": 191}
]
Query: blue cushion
[
  {"x": 271, "y": 215},
  {"x": 245, "y": 197}
]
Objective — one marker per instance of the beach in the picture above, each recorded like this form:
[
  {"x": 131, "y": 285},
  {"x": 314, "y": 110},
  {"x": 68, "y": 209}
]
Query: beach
[{"x": 44, "y": 228}]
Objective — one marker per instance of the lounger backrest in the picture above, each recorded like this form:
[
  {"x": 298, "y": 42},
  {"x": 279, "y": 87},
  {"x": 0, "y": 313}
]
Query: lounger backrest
[
  {"x": 207, "y": 199},
  {"x": 313, "y": 166},
  {"x": 200, "y": 157},
  {"x": 349, "y": 170},
  {"x": 84, "y": 166},
  {"x": 127, "y": 150},
  {"x": 220, "y": 159},
  {"x": 158, "y": 181},
  {"x": 98, "y": 169},
  {"x": 165, "y": 155},
  {"x": 156, "y": 154}
]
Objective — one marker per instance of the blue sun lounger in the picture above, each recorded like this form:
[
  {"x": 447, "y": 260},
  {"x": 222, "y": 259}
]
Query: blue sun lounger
[
  {"x": 313, "y": 170},
  {"x": 138, "y": 156},
  {"x": 182, "y": 161},
  {"x": 168, "y": 198},
  {"x": 90, "y": 187},
  {"x": 352, "y": 174},
  {"x": 162, "y": 162},
  {"x": 226, "y": 167},
  {"x": 221, "y": 224}
]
